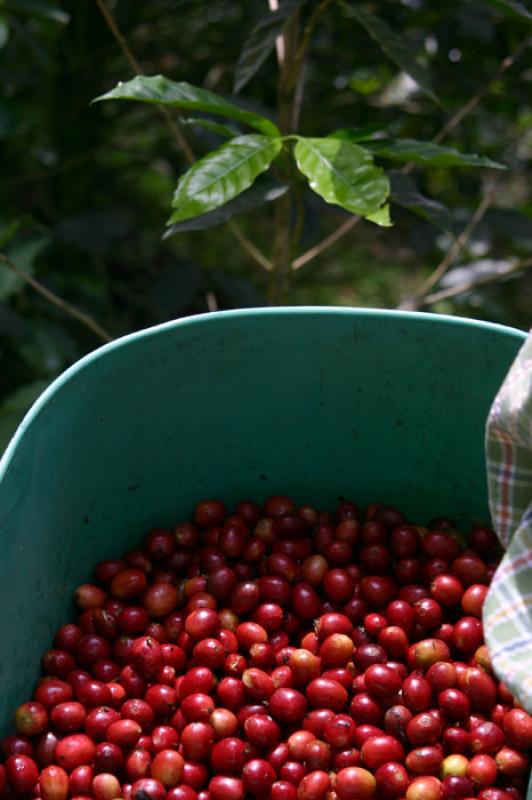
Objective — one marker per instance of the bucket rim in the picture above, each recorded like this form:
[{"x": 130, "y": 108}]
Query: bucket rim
[{"x": 213, "y": 316}]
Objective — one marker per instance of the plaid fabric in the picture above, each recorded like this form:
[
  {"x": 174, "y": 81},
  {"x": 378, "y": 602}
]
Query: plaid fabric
[{"x": 508, "y": 606}]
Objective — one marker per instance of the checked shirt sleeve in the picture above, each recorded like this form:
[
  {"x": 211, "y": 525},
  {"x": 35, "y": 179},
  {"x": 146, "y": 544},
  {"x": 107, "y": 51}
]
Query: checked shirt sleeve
[{"x": 508, "y": 606}]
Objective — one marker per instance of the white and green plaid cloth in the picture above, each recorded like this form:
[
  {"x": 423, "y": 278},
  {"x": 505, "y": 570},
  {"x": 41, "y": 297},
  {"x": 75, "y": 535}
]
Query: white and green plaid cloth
[{"x": 508, "y": 606}]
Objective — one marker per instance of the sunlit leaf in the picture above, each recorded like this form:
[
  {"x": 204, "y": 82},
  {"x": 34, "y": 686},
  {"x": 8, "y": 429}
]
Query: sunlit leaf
[
  {"x": 264, "y": 190},
  {"x": 427, "y": 154},
  {"x": 160, "y": 90},
  {"x": 395, "y": 48},
  {"x": 261, "y": 41},
  {"x": 381, "y": 217},
  {"x": 223, "y": 174},
  {"x": 343, "y": 173}
]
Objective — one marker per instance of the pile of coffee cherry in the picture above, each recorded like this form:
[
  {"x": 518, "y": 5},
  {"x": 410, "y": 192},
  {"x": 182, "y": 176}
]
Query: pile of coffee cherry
[{"x": 277, "y": 652}]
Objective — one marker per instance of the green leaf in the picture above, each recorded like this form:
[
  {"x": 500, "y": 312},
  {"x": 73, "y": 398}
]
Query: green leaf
[
  {"x": 395, "y": 48},
  {"x": 24, "y": 254},
  {"x": 355, "y": 134},
  {"x": 427, "y": 154},
  {"x": 261, "y": 41},
  {"x": 405, "y": 193},
  {"x": 381, "y": 217},
  {"x": 47, "y": 348},
  {"x": 8, "y": 230},
  {"x": 226, "y": 131},
  {"x": 342, "y": 173},
  {"x": 158, "y": 89},
  {"x": 223, "y": 174},
  {"x": 4, "y": 32},
  {"x": 37, "y": 9},
  {"x": 23, "y": 397},
  {"x": 264, "y": 190},
  {"x": 513, "y": 8},
  {"x": 15, "y": 406}
]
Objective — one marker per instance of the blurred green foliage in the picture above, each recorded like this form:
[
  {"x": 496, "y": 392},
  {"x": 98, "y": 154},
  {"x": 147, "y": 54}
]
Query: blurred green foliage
[{"x": 85, "y": 190}]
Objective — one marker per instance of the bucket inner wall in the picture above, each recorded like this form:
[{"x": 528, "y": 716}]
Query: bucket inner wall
[{"x": 315, "y": 403}]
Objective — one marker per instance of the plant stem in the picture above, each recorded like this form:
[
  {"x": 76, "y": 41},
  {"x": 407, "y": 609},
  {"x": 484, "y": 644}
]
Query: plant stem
[
  {"x": 135, "y": 66},
  {"x": 468, "y": 286},
  {"x": 299, "y": 217},
  {"x": 310, "y": 27},
  {"x": 248, "y": 245},
  {"x": 72, "y": 311},
  {"x": 281, "y": 247},
  {"x": 313, "y": 252},
  {"x": 454, "y": 251},
  {"x": 279, "y": 42},
  {"x": 282, "y": 211}
]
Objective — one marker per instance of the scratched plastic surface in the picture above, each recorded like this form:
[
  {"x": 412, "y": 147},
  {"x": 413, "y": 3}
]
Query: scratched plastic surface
[{"x": 316, "y": 403}]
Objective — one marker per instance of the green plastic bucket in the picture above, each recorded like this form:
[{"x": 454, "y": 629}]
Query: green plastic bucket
[{"x": 312, "y": 402}]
